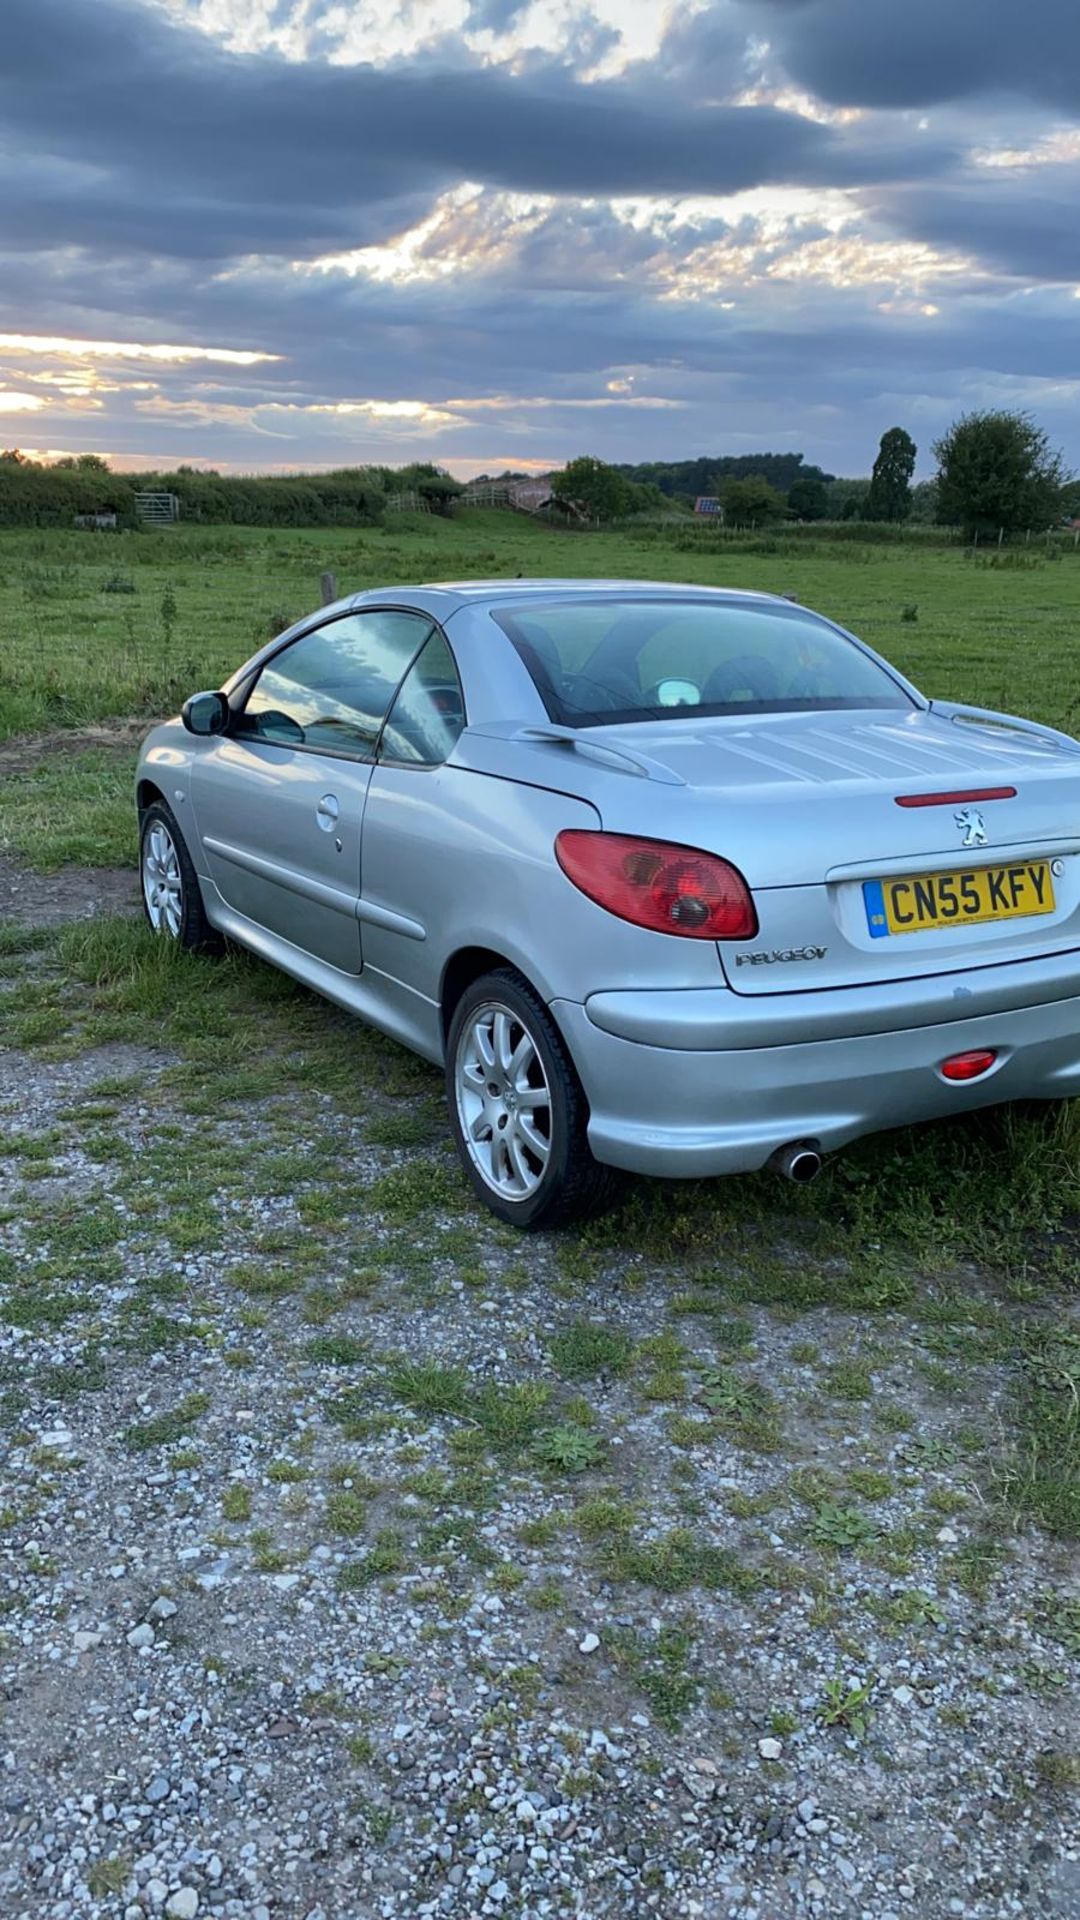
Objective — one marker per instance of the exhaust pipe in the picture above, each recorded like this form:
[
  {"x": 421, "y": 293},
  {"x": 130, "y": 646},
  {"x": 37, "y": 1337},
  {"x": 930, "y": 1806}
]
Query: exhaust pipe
[{"x": 800, "y": 1162}]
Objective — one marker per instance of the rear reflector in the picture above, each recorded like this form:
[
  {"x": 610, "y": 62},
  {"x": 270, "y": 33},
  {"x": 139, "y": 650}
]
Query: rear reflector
[
  {"x": 968, "y": 1066},
  {"x": 955, "y": 799}
]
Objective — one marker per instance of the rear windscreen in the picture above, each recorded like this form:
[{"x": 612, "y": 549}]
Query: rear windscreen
[{"x": 595, "y": 661}]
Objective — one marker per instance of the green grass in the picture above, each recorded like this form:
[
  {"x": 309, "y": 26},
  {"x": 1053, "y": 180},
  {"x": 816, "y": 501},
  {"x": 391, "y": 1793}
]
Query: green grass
[
  {"x": 1004, "y": 635},
  {"x": 1002, "y": 1188},
  {"x": 675, "y": 1561},
  {"x": 872, "y": 1238},
  {"x": 75, "y": 655},
  {"x": 385, "y": 1558},
  {"x": 337, "y": 1350},
  {"x": 662, "y": 1667},
  {"x": 236, "y": 1503},
  {"x": 72, "y": 809},
  {"x": 346, "y": 1512},
  {"x": 585, "y": 1351},
  {"x": 165, "y": 1428},
  {"x": 105, "y": 1877},
  {"x": 1042, "y": 1473}
]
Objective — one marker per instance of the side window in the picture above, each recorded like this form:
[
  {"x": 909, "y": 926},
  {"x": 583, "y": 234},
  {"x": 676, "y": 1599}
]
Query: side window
[
  {"x": 331, "y": 689},
  {"x": 429, "y": 712}
]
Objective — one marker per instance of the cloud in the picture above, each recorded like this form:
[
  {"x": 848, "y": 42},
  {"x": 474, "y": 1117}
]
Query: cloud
[
  {"x": 172, "y": 145},
  {"x": 925, "y": 52},
  {"x": 495, "y": 16},
  {"x": 160, "y": 353},
  {"x": 512, "y": 231},
  {"x": 1024, "y": 228}
]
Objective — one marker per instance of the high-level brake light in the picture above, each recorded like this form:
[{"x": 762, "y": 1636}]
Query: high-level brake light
[{"x": 959, "y": 799}]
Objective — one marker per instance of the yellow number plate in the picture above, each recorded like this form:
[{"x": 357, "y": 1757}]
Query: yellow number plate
[{"x": 916, "y": 902}]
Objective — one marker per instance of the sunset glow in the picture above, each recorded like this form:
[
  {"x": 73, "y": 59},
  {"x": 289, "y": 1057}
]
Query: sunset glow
[
  {"x": 55, "y": 346},
  {"x": 612, "y": 226}
]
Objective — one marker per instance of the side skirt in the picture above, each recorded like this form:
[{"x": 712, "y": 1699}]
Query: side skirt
[{"x": 374, "y": 997}]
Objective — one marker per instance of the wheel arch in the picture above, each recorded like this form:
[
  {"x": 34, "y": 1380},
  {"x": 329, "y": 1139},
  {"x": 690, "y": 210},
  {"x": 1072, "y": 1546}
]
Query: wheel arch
[
  {"x": 462, "y": 968},
  {"x": 471, "y": 963},
  {"x": 146, "y": 792}
]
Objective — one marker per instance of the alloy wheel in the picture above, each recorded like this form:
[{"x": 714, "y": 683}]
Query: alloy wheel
[
  {"x": 503, "y": 1101},
  {"x": 162, "y": 884}
]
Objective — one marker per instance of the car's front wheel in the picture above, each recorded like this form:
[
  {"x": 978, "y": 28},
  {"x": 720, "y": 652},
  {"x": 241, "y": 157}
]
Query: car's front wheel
[
  {"x": 517, "y": 1109},
  {"x": 171, "y": 898}
]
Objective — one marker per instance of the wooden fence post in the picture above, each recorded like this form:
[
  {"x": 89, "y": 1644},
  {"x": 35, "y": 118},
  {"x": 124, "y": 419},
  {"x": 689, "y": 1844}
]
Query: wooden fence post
[{"x": 328, "y": 585}]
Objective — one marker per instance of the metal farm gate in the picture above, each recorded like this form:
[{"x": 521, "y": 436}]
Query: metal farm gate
[{"x": 157, "y": 509}]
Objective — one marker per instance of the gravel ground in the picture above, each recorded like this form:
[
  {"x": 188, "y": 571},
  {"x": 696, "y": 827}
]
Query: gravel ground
[
  {"x": 75, "y": 893},
  {"x": 358, "y": 1558}
]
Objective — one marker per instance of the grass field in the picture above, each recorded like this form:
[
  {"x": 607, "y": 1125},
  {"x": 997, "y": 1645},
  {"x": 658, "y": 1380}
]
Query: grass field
[
  {"x": 102, "y": 636},
  {"x": 93, "y": 626},
  {"x": 779, "y": 1483}
]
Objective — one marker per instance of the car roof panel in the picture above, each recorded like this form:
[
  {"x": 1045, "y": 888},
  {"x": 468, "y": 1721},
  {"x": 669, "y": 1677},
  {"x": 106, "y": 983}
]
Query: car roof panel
[{"x": 446, "y": 596}]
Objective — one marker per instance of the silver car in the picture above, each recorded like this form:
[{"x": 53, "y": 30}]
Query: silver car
[{"x": 669, "y": 879}]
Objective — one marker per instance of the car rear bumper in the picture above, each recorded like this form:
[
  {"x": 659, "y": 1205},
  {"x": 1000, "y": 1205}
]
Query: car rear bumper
[{"x": 672, "y": 1101}]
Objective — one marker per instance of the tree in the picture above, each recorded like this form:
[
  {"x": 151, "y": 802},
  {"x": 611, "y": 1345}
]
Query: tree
[
  {"x": 808, "y": 500},
  {"x": 924, "y": 503},
  {"x": 998, "y": 470},
  {"x": 593, "y": 490},
  {"x": 751, "y": 502},
  {"x": 1070, "y": 500},
  {"x": 686, "y": 479},
  {"x": 847, "y": 499},
  {"x": 437, "y": 488},
  {"x": 890, "y": 482}
]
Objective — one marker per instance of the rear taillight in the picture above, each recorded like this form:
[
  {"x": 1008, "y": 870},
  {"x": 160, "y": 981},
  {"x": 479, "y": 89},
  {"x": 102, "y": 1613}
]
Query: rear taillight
[{"x": 669, "y": 889}]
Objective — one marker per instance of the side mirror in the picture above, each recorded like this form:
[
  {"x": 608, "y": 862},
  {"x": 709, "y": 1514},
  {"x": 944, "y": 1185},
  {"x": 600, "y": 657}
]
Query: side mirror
[{"x": 205, "y": 713}]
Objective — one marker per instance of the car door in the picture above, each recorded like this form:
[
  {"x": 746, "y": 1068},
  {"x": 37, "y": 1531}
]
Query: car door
[
  {"x": 411, "y": 850},
  {"x": 279, "y": 799}
]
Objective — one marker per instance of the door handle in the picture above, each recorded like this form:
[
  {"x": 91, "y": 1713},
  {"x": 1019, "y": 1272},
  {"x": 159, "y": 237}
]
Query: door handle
[{"x": 326, "y": 813}]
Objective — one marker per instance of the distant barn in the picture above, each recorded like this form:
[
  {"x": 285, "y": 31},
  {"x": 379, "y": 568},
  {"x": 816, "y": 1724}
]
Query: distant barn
[
  {"x": 708, "y": 503},
  {"x": 530, "y": 495}
]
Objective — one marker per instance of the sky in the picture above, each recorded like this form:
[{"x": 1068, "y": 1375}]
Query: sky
[{"x": 272, "y": 234}]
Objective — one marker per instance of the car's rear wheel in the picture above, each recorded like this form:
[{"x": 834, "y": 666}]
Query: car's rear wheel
[
  {"x": 517, "y": 1110},
  {"x": 171, "y": 898}
]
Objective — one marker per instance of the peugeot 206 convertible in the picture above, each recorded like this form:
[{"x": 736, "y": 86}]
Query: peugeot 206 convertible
[{"x": 668, "y": 879}]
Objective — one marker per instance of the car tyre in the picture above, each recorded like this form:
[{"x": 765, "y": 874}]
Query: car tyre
[
  {"x": 171, "y": 896},
  {"x": 517, "y": 1110}
]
